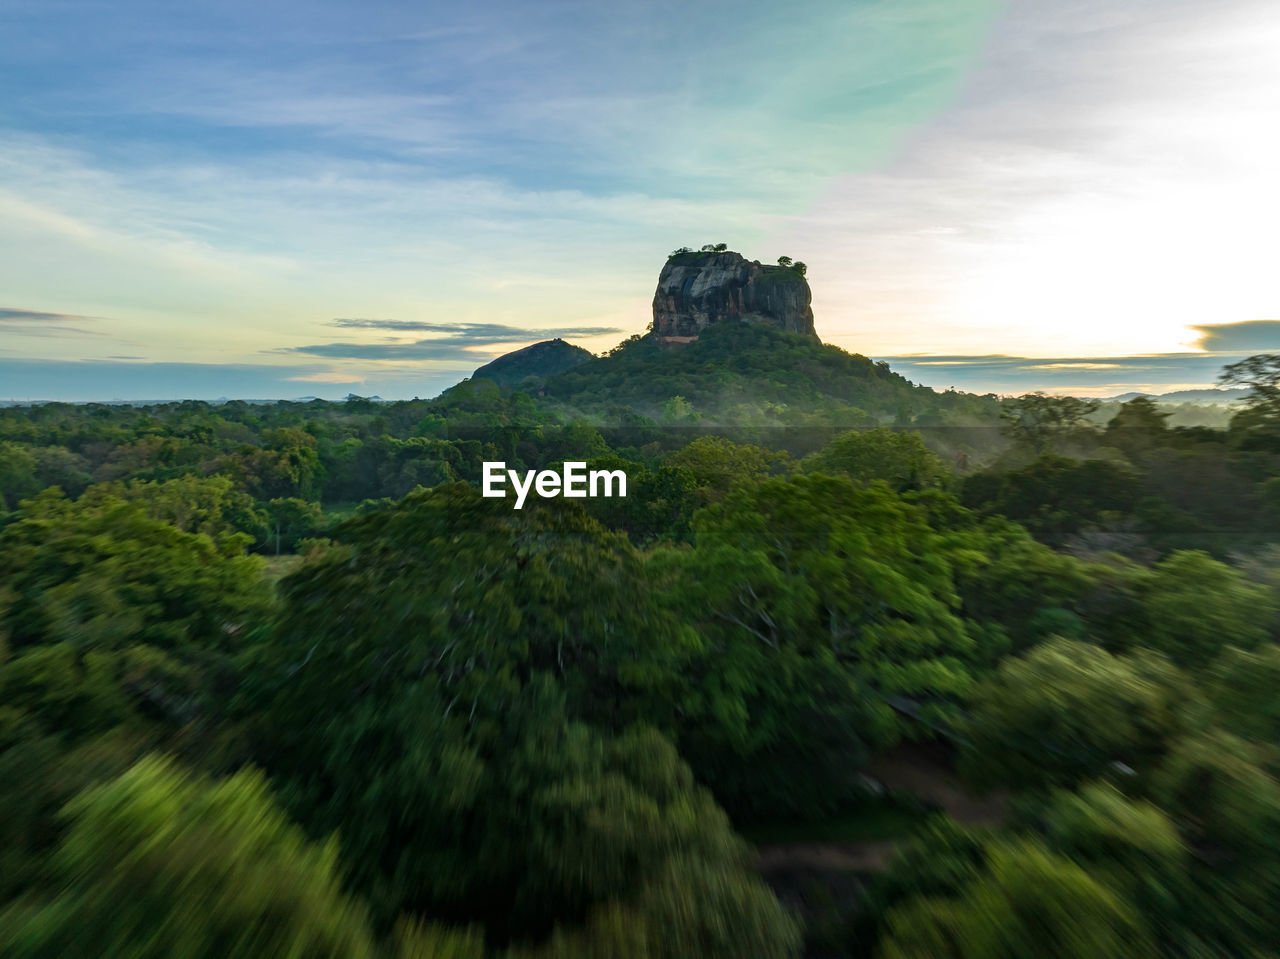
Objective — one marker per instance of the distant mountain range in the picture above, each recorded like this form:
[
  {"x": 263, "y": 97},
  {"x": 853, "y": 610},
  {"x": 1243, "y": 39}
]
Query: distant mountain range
[{"x": 1207, "y": 397}]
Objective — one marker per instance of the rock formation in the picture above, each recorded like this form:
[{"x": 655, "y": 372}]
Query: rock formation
[{"x": 698, "y": 289}]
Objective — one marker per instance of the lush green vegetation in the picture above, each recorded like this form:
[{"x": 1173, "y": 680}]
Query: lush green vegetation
[{"x": 276, "y": 680}]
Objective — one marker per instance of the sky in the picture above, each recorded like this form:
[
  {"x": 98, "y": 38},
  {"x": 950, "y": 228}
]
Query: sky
[{"x": 286, "y": 198}]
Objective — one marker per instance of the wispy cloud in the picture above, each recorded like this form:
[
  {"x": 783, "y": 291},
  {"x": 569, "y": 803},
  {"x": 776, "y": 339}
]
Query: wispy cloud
[
  {"x": 434, "y": 350},
  {"x": 457, "y": 341},
  {"x": 40, "y": 323},
  {"x": 10, "y": 314},
  {"x": 1082, "y": 376},
  {"x": 478, "y": 332}
]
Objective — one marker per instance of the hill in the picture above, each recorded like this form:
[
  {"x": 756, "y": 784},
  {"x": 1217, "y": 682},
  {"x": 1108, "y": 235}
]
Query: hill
[
  {"x": 748, "y": 373},
  {"x": 539, "y": 360}
]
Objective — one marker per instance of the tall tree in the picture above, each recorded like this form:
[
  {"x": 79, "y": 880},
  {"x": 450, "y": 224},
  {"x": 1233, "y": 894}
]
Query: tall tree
[
  {"x": 157, "y": 865},
  {"x": 1037, "y": 418}
]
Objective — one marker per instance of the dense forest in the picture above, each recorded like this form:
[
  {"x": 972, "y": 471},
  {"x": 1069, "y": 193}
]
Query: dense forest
[{"x": 277, "y": 681}]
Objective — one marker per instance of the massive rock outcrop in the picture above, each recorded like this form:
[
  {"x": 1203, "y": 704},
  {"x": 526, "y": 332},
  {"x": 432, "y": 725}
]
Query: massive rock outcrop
[{"x": 698, "y": 289}]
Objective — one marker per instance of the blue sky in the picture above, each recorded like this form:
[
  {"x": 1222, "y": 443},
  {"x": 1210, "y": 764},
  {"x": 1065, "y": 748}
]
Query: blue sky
[{"x": 285, "y": 199}]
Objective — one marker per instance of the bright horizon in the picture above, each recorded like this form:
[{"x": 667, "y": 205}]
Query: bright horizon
[{"x": 264, "y": 201}]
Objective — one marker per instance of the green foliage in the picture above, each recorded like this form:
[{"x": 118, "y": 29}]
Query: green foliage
[
  {"x": 291, "y": 520},
  {"x": 1068, "y": 711},
  {"x": 1131, "y": 847},
  {"x": 477, "y": 593},
  {"x": 1242, "y": 687},
  {"x": 1228, "y": 809},
  {"x": 1138, "y": 424},
  {"x": 1214, "y": 785},
  {"x": 1261, "y": 375},
  {"x": 692, "y": 909},
  {"x": 1197, "y": 606},
  {"x": 101, "y": 573},
  {"x": 1028, "y": 904},
  {"x": 939, "y": 863},
  {"x": 1009, "y": 580},
  {"x": 482, "y": 707},
  {"x": 40, "y": 770},
  {"x": 1056, "y": 497},
  {"x": 17, "y": 474},
  {"x": 289, "y": 465},
  {"x": 717, "y": 465},
  {"x": 817, "y": 600},
  {"x": 678, "y": 410},
  {"x": 157, "y": 864},
  {"x": 194, "y": 504},
  {"x": 120, "y": 633},
  {"x": 747, "y": 374},
  {"x": 529, "y": 366},
  {"x": 430, "y": 719},
  {"x": 899, "y": 459},
  {"x": 1037, "y": 419}
]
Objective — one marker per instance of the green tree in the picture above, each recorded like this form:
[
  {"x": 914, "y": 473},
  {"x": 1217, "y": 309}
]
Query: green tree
[
  {"x": 940, "y": 861},
  {"x": 717, "y": 465},
  {"x": 291, "y": 520},
  {"x": 816, "y": 600},
  {"x": 1260, "y": 374},
  {"x": 678, "y": 410},
  {"x": 58, "y": 466},
  {"x": 1067, "y": 711},
  {"x": 899, "y": 459},
  {"x": 1132, "y": 848},
  {"x": 428, "y": 708},
  {"x": 1138, "y": 424},
  {"x": 1036, "y": 419},
  {"x": 117, "y": 634},
  {"x": 158, "y": 864},
  {"x": 17, "y": 474},
  {"x": 194, "y": 504},
  {"x": 1196, "y": 606},
  {"x": 1056, "y": 497},
  {"x": 1028, "y": 904},
  {"x": 101, "y": 573},
  {"x": 1227, "y": 807},
  {"x": 1242, "y": 687}
]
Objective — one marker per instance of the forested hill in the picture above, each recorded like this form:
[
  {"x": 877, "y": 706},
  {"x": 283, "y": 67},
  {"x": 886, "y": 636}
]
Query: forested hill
[
  {"x": 539, "y": 360},
  {"x": 746, "y": 374}
]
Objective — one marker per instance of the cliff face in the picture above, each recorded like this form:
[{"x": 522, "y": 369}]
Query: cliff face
[{"x": 698, "y": 289}]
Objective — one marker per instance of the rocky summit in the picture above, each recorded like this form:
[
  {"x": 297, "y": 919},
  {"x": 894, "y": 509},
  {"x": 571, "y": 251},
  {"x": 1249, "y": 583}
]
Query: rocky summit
[{"x": 697, "y": 289}]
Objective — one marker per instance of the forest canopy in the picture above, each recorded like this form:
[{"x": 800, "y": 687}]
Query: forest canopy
[{"x": 277, "y": 680}]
